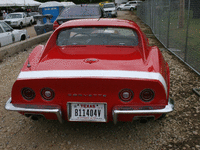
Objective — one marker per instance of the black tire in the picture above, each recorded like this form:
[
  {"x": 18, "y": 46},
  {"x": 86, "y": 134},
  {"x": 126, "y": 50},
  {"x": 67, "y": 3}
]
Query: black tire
[
  {"x": 30, "y": 23},
  {"x": 162, "y": 116},
  {"x": 21, "y": 25},
  {"x": 23, "y": 37},
  {"x": 131, "y": 9},
  {"x": 0, "y": 44},
  {"x": 119, "y": 9}
]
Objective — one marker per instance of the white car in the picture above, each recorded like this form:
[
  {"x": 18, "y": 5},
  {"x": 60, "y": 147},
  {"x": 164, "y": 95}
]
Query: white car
[
  {"x": 110, "y": 9},
  {"x": 19, "y": 19},
  {"x": 135, "y": 3},
  {"x": 131, "y": 5},
  {"x": 8, "y": 35},
  {"x": 126, "y": 7}
]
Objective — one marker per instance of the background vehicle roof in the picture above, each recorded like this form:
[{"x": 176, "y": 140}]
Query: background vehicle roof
[
  {"x": 109, "y": 3},
  {"x": 17, "y": 13}
]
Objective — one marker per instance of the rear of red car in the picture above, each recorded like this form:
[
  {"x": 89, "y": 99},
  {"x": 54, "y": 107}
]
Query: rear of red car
[{"x": 94, "y": 73}]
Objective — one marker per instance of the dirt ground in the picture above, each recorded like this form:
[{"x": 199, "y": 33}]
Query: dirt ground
[
  {"x": 178, "y": 130},
  {"x": 31, "y": 31}
]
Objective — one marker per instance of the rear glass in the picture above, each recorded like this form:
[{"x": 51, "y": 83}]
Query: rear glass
[
  {"x": 98, "y": 36},
  {"x": 80, "y": 11}
]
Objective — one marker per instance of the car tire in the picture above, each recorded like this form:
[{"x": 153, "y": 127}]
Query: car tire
[
  {"x": 131, "y": 9},
  {"x": 162, "y": 116},
  {"x": 23, "y": 37},
  {"x": 0, "y": 44},
  {"x": 21, "y": 25},
  {"x": 119, "y": 9},
  {"x": 30, "y": 23}
]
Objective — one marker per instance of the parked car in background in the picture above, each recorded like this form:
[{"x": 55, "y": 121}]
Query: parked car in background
[
  {"x": 134, "y": 3},
  {"x": 8, "y": 35},
  {"x": 94, "y": 70},
  {"x": 83, "y": 11},
  {"x": 121, "y": 4},
  {"x": 126, "y": 7},
  {"x": 19, "y": 19},
  {"x": 33, "y": 14},
  {"x": 110, "y": 9}
]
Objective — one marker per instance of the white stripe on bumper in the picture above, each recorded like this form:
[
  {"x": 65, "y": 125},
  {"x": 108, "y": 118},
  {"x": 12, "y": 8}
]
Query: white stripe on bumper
[{"x": 93, "y": 74}]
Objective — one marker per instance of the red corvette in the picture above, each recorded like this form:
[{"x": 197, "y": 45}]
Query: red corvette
[{"x": 94, "y": 70}]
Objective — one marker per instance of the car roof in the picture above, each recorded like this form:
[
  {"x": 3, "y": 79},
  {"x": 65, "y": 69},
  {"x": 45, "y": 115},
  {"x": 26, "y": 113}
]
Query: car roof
[
  {"x": 17, "y": 13},
  {"x": 85, "y": 5},
  {"x": 108, "y": 3},
  {"x": 99, "y": 22}
]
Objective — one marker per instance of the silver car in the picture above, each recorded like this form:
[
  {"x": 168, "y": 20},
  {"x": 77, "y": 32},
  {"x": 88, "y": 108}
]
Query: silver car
[
  {"x": 110, "y": 9},
  {"x": 8, "y": 35},
  {"x": 130, "y": 7}
]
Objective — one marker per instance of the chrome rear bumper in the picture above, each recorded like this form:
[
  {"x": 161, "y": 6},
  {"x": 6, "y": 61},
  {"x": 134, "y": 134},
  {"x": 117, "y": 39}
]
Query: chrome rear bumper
[
  {"x": 55, "y": 109},
  {"x": 35, "y": 108},
  {"x": 168, "y": 108}
]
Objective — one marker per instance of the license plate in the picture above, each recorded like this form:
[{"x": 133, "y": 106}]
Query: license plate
[{"x": 94, "y": 112}]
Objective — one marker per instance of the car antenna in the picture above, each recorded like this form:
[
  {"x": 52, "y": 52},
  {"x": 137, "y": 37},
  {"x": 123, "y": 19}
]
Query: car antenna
[{"x": 28, "y": 65}]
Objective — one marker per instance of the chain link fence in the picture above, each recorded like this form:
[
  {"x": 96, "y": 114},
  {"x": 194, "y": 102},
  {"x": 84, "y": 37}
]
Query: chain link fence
[{"x": 176, "y": 24}]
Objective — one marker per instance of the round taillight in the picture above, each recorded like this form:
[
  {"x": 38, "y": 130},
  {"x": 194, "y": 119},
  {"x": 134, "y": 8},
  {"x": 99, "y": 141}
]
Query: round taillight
[
  {"x": 28, "y": 93},
  {"x": 147, "y": 95},
  {"x": 126, "y": 95},
  {"x": 47, "y": 94}
]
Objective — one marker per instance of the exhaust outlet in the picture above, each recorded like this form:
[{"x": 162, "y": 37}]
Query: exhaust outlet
[
  {"x": 35, "y": 117},
  {"x": 143, "y": 120}
]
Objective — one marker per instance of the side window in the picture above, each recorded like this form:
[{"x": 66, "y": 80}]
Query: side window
[
  {"x": 6, "y": 27},
  {"x": 132, "y": 2},
  {"x": 1, "y": 30}
]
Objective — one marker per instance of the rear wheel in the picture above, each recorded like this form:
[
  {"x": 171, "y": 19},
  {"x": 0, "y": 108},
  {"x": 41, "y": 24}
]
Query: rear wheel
[
  {"x": 132, "y": 9},
  {"x": 23, "y": 37},
  {"x": 30, "y": 23},
  {"x": 118, "y": 8},
  {"x": 162, "y": 116},
  {"x": 21, "y": 25}
]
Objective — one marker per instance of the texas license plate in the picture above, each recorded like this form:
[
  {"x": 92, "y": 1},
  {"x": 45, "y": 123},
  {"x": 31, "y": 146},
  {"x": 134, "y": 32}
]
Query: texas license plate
[{"x": 94, "y": 112}]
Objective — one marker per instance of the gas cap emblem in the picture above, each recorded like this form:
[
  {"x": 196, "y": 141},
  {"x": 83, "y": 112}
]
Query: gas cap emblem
[{"x": 91, "y": 60}]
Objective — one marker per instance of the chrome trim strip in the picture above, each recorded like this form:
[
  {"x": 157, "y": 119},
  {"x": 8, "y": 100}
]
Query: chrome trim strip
[
  {"x": 35, "y": 108},
  {"x": 168, "y": 108}
]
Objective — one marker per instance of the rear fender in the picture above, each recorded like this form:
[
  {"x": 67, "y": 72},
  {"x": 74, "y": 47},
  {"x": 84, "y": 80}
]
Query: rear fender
[
  {"x": 156, "y": 63},
  {"x": 33, "y": 58}
]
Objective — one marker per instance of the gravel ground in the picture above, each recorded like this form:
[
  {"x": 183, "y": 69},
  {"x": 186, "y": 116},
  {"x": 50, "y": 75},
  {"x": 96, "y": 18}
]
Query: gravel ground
[
  {"x": 31, "y": 31},
  {"x": 179, "y": 130}
]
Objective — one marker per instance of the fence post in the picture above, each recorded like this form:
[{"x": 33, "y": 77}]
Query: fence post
[
  {"x": 188, "y": 22},
  {"x": 168, "y": 23}
]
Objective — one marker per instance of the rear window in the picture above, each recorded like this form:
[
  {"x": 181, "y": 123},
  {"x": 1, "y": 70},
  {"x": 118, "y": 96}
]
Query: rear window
[
  {"x": 98, "y": 36},
  {"x": 80, "y": 11}
]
